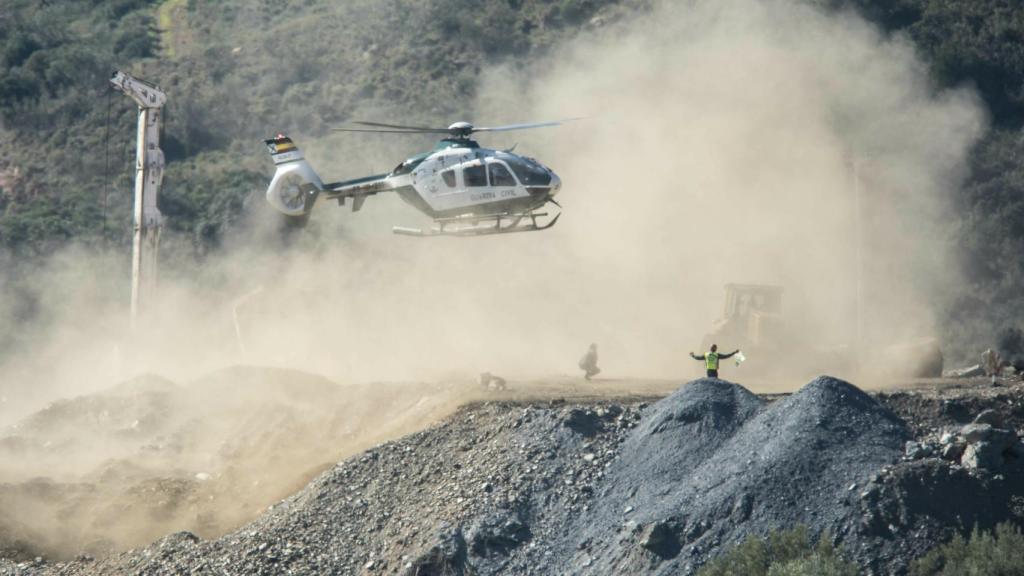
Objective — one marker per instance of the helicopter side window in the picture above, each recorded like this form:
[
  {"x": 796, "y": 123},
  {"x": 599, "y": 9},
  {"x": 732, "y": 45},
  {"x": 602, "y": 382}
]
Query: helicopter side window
[
  {"x": 529, "y": 173},
  {"x": 500, "y": 176},
  {"x": 449, "y": 178},
  {"x": 475, "y": 175}
]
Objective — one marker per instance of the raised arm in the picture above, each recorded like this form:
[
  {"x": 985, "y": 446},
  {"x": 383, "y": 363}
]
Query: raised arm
[
  {"x": 695, "y": 357},
  {"x": 729, "y": 355}
]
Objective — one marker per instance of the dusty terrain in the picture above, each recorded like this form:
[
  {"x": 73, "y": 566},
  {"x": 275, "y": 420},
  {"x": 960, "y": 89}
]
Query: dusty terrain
[
  {"x": 110, "y": 471},
  {"x": 118, "y": 469},
  {"x": 559, "y": 475}
]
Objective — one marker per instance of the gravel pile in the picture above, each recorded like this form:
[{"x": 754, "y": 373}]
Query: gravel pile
[
  {"x": 607, "y": 488},
  {"x": 712, "y": 465}
]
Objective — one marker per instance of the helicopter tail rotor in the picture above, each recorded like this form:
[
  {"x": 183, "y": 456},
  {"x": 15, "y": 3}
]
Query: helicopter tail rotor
[{"x": 296, "y": 185}]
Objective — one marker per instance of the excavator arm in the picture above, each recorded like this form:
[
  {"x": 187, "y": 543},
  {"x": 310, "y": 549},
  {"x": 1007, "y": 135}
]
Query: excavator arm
[
  {"x": 145, "y": 94},
  {"x": 149, "y": 175}
]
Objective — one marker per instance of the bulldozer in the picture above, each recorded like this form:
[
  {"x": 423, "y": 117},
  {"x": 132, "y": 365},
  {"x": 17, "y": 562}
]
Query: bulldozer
[{"x": 753, "y": 321}]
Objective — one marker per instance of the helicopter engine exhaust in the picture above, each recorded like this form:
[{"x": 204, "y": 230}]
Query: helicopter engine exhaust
[{"x": 295, "y": 185}]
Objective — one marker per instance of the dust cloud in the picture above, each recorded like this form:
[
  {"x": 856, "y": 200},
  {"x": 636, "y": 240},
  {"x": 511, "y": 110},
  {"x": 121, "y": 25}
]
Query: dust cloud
[
  {"x": 747, "y": 141},
  {"x": 742, "y": 141}
]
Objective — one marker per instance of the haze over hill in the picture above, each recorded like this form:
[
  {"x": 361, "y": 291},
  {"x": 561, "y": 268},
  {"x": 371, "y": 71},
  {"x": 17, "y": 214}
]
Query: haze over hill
[{"x": 718, "y": 147}]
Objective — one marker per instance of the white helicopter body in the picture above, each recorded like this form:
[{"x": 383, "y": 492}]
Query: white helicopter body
[{"x": 468, "y": 190}]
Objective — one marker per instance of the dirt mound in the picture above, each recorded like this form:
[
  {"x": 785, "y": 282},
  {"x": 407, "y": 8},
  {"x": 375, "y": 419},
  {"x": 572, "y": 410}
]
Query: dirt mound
[
  {"x": 492, "y": 488},
  {"x": 118, "y": 469}
]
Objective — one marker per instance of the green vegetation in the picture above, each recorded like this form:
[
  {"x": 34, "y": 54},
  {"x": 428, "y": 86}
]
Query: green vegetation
[
  {"x": 782, "y": 553},
  {"x": 997, "y": 553}
]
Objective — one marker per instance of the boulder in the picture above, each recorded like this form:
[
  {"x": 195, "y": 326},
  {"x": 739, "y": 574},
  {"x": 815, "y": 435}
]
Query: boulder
[
  {"x": 982, "y": 455},
  {"x": 1000, "y": 437},
  {"x": 977, "y": 432},
  {"x": 661, "y": 539}
]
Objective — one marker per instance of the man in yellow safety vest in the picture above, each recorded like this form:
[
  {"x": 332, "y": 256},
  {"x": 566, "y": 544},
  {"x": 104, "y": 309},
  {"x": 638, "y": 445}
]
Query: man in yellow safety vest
[{"x": 711, "y": 359}]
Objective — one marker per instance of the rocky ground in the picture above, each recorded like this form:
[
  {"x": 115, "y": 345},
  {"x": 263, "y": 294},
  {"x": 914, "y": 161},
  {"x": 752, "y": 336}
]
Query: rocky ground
[{"x": 638, "y": 485}]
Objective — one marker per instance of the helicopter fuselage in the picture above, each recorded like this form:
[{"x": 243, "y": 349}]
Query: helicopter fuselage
[
  {"x": 459, "y": 177},
  {"x": 458, "y": 181}
]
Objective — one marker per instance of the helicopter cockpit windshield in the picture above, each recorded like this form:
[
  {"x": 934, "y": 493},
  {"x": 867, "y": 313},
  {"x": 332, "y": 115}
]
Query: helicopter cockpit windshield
[
  {"x": 499, "y": 174},
  {"x": 529, "y": 172}
]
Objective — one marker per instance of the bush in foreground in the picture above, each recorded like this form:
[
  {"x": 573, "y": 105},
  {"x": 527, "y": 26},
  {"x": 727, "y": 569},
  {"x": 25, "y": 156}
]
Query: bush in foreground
[
  {"x": 782, "y": 553},
  {"x": 998, "y": 553}
]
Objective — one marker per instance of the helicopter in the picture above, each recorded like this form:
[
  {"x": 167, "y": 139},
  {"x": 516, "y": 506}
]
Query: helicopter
[{"x": 468, "y": 190}]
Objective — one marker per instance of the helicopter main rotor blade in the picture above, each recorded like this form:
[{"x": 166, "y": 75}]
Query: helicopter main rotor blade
[
  {"x": 389, "y": 131},
  {"x": 400, "y": 127},
  {"x": 459, "y": 129},
  {"x": 509, "y": 127}
]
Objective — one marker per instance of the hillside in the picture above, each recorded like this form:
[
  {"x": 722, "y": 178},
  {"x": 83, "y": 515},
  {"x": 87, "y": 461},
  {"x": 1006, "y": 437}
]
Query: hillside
[
  {"x": 308, "y": 66},
  {"x": 238, "y": 71}
]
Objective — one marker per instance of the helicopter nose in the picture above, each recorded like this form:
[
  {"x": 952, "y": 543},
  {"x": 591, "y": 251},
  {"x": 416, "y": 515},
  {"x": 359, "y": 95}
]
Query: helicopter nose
[{"x": 556, "y": 184}]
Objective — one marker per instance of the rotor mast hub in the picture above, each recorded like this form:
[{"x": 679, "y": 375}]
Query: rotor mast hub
[{"x": 460, "y": 129}]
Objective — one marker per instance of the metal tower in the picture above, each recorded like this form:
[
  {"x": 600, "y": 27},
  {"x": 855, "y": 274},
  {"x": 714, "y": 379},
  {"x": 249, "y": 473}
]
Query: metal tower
[{"x": 149, "y": 174}]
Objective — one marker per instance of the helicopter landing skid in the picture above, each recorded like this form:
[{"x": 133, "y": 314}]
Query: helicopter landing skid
[{"x": 472, "y": 225}]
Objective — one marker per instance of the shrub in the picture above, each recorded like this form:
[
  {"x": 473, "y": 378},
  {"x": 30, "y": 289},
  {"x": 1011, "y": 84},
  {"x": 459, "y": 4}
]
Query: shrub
[
  {"x": 997, "y": 553},
  {"x": 782, "y": 553},
  {"x": 18, "y": 48}
]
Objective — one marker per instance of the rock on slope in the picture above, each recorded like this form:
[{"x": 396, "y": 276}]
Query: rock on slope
[{"x": 604, "y": 489}]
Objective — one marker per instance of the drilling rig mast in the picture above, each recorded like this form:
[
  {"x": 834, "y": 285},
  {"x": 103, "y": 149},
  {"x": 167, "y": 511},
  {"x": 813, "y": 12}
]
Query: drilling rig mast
[{"x": 149, "y": 174}]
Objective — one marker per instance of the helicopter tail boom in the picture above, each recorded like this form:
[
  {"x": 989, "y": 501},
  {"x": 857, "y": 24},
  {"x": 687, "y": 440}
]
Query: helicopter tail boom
[{"x": 295, "y": 185}]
